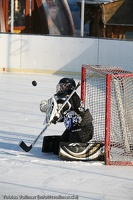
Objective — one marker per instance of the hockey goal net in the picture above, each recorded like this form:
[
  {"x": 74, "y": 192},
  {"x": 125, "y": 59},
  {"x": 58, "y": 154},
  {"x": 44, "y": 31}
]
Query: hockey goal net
[{"x": 108, "y": 93}]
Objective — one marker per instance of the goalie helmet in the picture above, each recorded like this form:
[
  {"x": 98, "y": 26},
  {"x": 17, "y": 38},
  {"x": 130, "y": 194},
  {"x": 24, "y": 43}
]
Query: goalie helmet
[{"x": 65, "y": 85}]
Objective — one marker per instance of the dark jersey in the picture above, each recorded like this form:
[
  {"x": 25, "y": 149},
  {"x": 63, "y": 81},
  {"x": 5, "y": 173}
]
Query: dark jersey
[{"x": 75, "y": 104}]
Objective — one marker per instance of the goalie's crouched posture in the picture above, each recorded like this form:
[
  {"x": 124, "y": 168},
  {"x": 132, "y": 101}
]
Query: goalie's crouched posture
[{"x": 77, "y": 120}]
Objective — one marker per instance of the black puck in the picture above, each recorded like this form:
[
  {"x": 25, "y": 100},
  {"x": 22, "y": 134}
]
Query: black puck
[{"x": 34, "y": 83}]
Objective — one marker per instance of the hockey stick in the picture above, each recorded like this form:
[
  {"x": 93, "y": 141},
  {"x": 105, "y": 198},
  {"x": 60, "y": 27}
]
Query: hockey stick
[{"x": 28, "y": 148}]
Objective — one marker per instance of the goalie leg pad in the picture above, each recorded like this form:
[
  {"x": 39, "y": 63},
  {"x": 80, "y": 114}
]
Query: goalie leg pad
[
  {"x": 81, "y": 151},
  {"x": 51, "y": 144}
]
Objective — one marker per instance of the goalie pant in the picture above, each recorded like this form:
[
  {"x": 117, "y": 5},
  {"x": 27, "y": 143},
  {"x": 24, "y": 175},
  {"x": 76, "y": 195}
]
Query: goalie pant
[{"x": 82, "y": 132}]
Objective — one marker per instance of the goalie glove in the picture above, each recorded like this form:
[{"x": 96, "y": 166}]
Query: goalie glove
[
  {"x": 50, "y": 108},
  {"x": 71, "y": 119},
  {"x": 55, "y": 120}
]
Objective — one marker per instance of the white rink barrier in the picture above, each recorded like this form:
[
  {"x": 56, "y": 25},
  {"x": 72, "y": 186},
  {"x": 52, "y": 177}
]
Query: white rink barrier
[{"x": 54, "y": 54}]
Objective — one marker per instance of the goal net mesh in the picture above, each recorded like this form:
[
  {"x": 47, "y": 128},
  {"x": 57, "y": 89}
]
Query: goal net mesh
[{"x": 108, "y": 93}]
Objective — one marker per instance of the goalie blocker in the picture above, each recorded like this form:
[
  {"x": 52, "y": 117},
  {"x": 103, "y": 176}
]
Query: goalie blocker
[{"x": 73, "y": 151}]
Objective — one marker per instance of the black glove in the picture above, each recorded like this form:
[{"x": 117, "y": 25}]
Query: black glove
[{"x": 54, "y": 120}]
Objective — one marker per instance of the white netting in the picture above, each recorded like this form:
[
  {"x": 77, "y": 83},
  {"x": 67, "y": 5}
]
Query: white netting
[{"x": 120, "y": 124}]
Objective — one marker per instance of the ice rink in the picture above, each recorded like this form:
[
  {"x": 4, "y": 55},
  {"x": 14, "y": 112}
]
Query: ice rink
[{"x": 36, "y": 175}]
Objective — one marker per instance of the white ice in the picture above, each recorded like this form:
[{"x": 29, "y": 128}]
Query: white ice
[{"x": 36, "y": 175}]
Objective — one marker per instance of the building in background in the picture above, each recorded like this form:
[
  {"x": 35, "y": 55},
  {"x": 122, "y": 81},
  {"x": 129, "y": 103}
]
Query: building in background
[
  {"x": 102, "y": 18},
  {"x": 51, "y": 17},
  {"x": 109, "y": 18}
]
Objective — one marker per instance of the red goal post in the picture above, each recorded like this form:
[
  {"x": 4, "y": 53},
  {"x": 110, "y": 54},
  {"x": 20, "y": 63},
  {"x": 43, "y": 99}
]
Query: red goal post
[{"x": 108, "y": 93}]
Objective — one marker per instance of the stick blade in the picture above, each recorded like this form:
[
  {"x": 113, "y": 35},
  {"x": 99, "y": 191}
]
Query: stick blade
[{"x": 25, "y": 147}]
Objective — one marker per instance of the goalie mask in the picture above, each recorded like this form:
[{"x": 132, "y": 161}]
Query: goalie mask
[{"x": 65, "y": 85}]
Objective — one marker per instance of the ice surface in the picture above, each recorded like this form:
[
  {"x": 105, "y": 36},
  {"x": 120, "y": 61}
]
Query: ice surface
[{"x": 36, "y": 175}]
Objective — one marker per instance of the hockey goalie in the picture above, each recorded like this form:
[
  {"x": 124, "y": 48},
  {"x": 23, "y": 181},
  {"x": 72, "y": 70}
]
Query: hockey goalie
[{"x": 74, "y": 143}]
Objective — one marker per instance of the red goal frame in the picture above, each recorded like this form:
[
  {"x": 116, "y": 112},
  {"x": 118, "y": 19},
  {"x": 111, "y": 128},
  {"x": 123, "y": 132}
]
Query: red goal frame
[{"x": 109, "y": 73}]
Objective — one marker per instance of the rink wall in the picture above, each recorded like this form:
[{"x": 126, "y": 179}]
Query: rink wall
[{"x": 53, "y": 54}]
